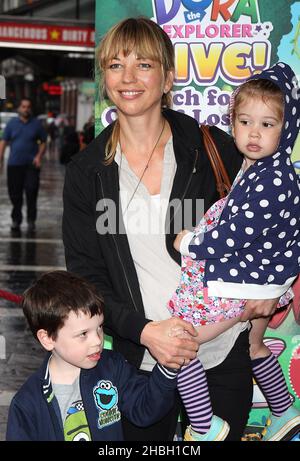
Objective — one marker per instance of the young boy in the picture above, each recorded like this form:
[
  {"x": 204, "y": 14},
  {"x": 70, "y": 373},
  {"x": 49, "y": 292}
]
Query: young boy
[{"x": 81, "y": 391}]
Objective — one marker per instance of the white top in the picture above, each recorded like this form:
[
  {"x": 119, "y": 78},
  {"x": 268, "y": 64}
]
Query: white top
[
  {"x": 238, "y": 290},
  {"x": 158, "y": 274}
]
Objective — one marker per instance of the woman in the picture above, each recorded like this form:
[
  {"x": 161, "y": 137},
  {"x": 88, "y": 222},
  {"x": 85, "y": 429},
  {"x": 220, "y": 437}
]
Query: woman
[{"x": 119, "y": 190}]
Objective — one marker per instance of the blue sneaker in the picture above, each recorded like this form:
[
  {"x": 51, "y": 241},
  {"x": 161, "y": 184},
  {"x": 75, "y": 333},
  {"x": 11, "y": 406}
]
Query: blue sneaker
[
  {"x": 282, "y": 427},
  {"x": 217, "y": 432}
]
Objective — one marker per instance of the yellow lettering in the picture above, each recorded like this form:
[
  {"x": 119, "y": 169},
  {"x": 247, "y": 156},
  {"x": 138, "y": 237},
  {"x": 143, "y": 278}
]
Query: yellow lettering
[{"x": 206, "y": 61}]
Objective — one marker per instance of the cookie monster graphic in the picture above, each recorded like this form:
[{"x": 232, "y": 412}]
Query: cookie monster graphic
[{"x": 106, "y": 400}]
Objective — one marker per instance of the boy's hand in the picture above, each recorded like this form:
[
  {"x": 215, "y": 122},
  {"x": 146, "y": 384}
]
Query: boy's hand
[
  {"x": 178, "y": 332},
  {"x": 178, "y": 239}
]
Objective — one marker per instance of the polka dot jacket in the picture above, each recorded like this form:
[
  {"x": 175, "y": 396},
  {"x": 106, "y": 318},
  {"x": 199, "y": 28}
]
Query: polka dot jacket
[
  {"x": 190, "y": 301},
  {"x": 254, "y": 250}
]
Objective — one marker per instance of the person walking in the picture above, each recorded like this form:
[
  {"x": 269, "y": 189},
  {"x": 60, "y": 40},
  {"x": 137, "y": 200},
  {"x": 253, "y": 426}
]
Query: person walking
[{"x": 27, "y": 139}]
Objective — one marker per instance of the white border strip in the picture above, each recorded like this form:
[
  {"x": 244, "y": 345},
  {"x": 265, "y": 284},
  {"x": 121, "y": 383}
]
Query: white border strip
[
  {"x": 35, "y": 46},
  {"x": 28, "y": 240},
  {"x": 8, "y": 267}
]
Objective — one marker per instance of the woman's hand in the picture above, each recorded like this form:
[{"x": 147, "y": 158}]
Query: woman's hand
[
  {"x": 256, "y": 308},
  {"x": 178, "y": 239},
  {"x": 167, "y": 349}
]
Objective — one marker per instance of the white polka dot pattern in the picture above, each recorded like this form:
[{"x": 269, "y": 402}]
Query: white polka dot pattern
[{"x": 258, "y": 239}]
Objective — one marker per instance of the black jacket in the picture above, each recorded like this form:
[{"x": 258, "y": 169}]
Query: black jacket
[{"x": 105, "y": 260}]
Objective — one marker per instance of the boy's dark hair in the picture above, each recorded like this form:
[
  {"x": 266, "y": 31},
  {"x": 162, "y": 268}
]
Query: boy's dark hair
[{"x": 48, "y": 302}]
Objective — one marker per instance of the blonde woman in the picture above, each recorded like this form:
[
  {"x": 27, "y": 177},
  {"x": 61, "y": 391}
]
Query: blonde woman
[{"x": 124, "y": 197}]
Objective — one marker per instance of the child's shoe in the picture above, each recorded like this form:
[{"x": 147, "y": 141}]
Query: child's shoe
[
  {"x": 217, "y": 432},
  {"x": 282, "y": 427}
]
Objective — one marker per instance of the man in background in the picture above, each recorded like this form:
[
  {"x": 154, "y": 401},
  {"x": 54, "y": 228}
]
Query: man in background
[{"x": 27, "y": 139}]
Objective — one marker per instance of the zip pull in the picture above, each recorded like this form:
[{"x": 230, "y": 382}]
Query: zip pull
[{"x": 195, "y": 162}]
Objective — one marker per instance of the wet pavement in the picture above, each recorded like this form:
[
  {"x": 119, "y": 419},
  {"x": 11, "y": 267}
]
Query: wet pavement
[{"x": 23, "y": 258}]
